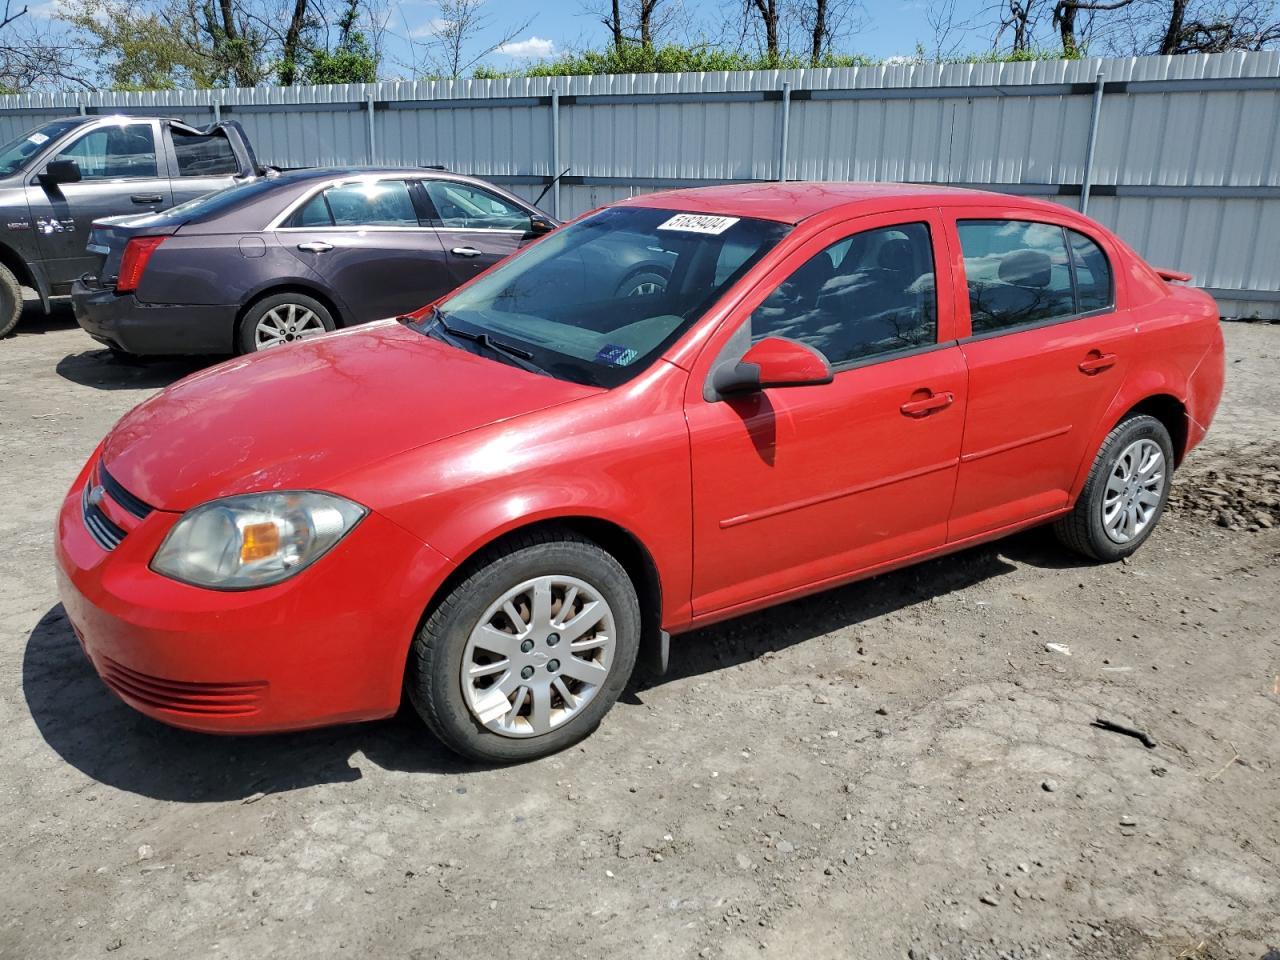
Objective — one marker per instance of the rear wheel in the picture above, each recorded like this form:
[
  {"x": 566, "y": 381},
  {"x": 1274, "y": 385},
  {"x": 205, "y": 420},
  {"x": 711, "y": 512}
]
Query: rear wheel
[
  {"x": 527, "y": 654},
  {"x": 10, "y": 301},
  {"x": 283, "y": 318},
  {"x": 1125, "y": 493}
]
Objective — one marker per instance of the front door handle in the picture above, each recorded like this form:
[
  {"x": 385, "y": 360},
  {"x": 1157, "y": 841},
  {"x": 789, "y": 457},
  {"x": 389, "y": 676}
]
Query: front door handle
[
  {"x": 465, "y": 252},
  {"x": 927, "y": 405},
  {"x": 315, "y": 246},
  {"x": 1097, "y": 361},
  {"x": 146, "y": 198}
]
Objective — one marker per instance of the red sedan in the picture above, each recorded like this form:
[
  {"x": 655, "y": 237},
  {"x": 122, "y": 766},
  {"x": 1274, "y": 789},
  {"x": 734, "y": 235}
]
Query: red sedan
[{"x": 491, "y": 504}]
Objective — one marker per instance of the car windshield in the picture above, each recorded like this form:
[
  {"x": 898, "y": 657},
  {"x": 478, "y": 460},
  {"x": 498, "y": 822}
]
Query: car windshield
[
  {"x": 15, "y": 154},
  {"x": 597, "y": 301}
]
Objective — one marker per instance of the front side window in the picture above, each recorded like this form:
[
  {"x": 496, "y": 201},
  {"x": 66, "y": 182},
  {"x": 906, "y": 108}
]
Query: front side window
[
  {"x": 1020, "y": 273},
  {"x": 464, "y": 205},
  {"x": 572, "y": 301},
  {"x": 869, "y": 294},
  {"x": 204, "y": 154},
  {"x": 113, "y": 153},
  {"x": 369, "y": 203}
]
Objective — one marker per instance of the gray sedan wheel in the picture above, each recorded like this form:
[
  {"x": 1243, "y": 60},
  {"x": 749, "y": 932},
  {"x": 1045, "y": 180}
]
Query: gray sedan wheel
[
  {"x": 281, "y": 319},
  {"x": 528, "y": 651}
]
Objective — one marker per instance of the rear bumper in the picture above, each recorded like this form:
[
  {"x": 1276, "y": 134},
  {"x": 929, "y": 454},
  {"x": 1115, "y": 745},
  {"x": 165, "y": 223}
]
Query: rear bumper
[{"x": 122, "y": 321}]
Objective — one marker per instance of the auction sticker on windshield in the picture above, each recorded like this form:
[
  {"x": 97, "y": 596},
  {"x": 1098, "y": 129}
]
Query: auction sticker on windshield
[{"x": 699, "y": 223}]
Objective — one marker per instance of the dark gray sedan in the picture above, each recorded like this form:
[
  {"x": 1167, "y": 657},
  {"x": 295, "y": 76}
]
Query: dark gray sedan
[{"x": 265, "y": 263}]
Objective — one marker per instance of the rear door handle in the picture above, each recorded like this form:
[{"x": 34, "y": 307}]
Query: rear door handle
[
  {"x": 1096, "y": 362},
  {"x": 146, "y": 198},
  {"x": 927, "y": 405},
  {"x": 315, "y": 246},
  {"x": 465, "y": 252}
]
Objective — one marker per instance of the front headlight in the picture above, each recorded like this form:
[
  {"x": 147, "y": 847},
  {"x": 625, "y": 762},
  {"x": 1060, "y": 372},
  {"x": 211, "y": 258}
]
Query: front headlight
[{"x": 254, "y": 540}]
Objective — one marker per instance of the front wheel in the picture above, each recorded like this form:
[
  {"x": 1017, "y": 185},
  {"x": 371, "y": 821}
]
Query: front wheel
[
  {"x": 10, "y": 301},
  {"x": 526, "y": 655},
  {"x": 1125, "y": 493}
]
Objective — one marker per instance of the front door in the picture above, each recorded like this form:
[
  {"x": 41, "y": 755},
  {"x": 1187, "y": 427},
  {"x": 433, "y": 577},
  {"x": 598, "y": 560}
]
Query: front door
[
  {"x": 119, "y": 174},
  {"x": 1046, "y": 355},
  {"x": 364, "y": 239},
  {"x": 477, "y": 227},
  {"x": 796, "y": 486}
]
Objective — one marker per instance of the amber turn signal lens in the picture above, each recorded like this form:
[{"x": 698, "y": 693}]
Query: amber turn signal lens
[{"x": 259, "y": 541}]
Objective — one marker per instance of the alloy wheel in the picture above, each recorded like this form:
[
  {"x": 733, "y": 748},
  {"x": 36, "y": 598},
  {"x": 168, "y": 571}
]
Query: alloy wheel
[
  {"x": 1135, "y": 488},
  {"x": 286, "y": 323},
  {"x": 538, "y": 656}
]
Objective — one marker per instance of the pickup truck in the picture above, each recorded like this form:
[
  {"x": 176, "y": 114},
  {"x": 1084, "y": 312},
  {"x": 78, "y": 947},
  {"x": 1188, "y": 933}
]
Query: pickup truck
[{"x": 57, "y": 179}]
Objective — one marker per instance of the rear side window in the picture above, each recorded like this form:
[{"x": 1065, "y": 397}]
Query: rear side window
[
  {"x": 1093, "y": 273},
  {"x": 382, "y": 203},
  {"x": 1021, "y": 273},
  {"x": 869, "y": 294},
  {"x": 204, "y": 155}
]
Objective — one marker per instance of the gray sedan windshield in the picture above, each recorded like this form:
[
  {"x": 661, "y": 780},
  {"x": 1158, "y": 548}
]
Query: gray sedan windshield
[{"x": 597, "y": 301}]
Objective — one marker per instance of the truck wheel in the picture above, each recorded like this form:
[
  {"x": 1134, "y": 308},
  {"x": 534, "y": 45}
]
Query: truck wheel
[
  {"x": 283, "y": 318},
  {"x": 527, "y": 654},
  {"x": 10, "y": 301},
  {"x": 1125, "y": 494}
]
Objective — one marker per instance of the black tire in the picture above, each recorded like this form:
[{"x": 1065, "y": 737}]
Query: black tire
[
  {"x": 10, "y": 301},
  {"x": 1082, "y": 530},
  {"x": 633, "y": 284},
  {"x": 248, "y": 341},
  {"x": 433, "y": 677}
]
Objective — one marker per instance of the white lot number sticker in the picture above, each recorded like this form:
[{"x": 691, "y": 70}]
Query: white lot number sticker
[
  {"x": 38, "y": 138},
  {"x": 699, "y": 223}
]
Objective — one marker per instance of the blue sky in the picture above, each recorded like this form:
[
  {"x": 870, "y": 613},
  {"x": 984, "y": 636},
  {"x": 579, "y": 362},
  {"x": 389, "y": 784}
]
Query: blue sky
[{"x": 887, "y": 28}]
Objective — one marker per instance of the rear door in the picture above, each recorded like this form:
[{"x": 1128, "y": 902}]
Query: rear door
[
  {"x": 201, "y": 161},
  {"x": 120, "y": 173},
  {"x": 1046, "y": 351},
  {"x": 365, "y": 239},
  {"x": 477, "y": 227}
]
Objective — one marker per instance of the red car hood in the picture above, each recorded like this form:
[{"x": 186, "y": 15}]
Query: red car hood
[{"x": 301, "y": 416}]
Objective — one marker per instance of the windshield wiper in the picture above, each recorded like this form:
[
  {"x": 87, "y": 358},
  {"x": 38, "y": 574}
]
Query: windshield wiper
[{"x": 520, "y": 357}]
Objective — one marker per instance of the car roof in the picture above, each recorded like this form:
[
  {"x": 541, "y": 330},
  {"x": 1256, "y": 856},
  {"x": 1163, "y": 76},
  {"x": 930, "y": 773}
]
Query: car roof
[{"x": 794, "y": 201}]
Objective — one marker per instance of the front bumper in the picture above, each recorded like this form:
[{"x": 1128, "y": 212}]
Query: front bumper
[
  {"x": 327, "y": 646},
  {"x": 122, "y": 321}
]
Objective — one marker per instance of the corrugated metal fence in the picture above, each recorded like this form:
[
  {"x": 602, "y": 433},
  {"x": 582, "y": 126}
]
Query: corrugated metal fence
[{"x": 1180, "y": 155}]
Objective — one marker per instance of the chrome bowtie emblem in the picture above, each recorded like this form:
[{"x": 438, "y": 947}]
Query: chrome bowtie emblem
[{"x": 95, "y": 496}]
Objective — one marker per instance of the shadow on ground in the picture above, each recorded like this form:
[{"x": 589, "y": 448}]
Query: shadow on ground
[
  {"x": 100, "y": 736},
  {"x": 103, "y": 370}
]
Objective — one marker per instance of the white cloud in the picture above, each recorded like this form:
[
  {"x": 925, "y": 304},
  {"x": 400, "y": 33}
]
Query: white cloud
[
  {"x": 534, "y": 48},
  {"x": 44, "y": 10}
]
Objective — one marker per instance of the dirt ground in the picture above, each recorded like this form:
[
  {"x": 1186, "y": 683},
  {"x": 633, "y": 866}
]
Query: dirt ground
[{"x": 894, "y": 769}]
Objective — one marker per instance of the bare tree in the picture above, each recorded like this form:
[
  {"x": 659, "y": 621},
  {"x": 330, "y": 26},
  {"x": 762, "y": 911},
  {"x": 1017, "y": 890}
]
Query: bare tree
[
  {"x": 1066, "y": 12},
  {"x": 292, "y": 46},
  {"x": 767, "y": 11},
  {"x": 940, "y": 15},
  {"x": 614, "y": 22},
  {"x": 1243, "y": 25},
  {"x": 32, "y": 55},
  {"x": 451, "y": 47},
  {"x": 1021, "y": 17}
]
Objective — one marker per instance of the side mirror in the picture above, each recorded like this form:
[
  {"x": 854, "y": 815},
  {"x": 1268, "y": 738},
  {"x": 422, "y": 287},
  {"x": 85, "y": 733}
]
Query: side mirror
[
  {"x": 538, "y": 226},
  {"x": 773, "y": 362},
  {"x": 61, "y": 171}
]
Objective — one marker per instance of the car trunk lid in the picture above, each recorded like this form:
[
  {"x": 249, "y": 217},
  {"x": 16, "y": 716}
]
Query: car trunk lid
[{"x": 109, "y": 236}]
